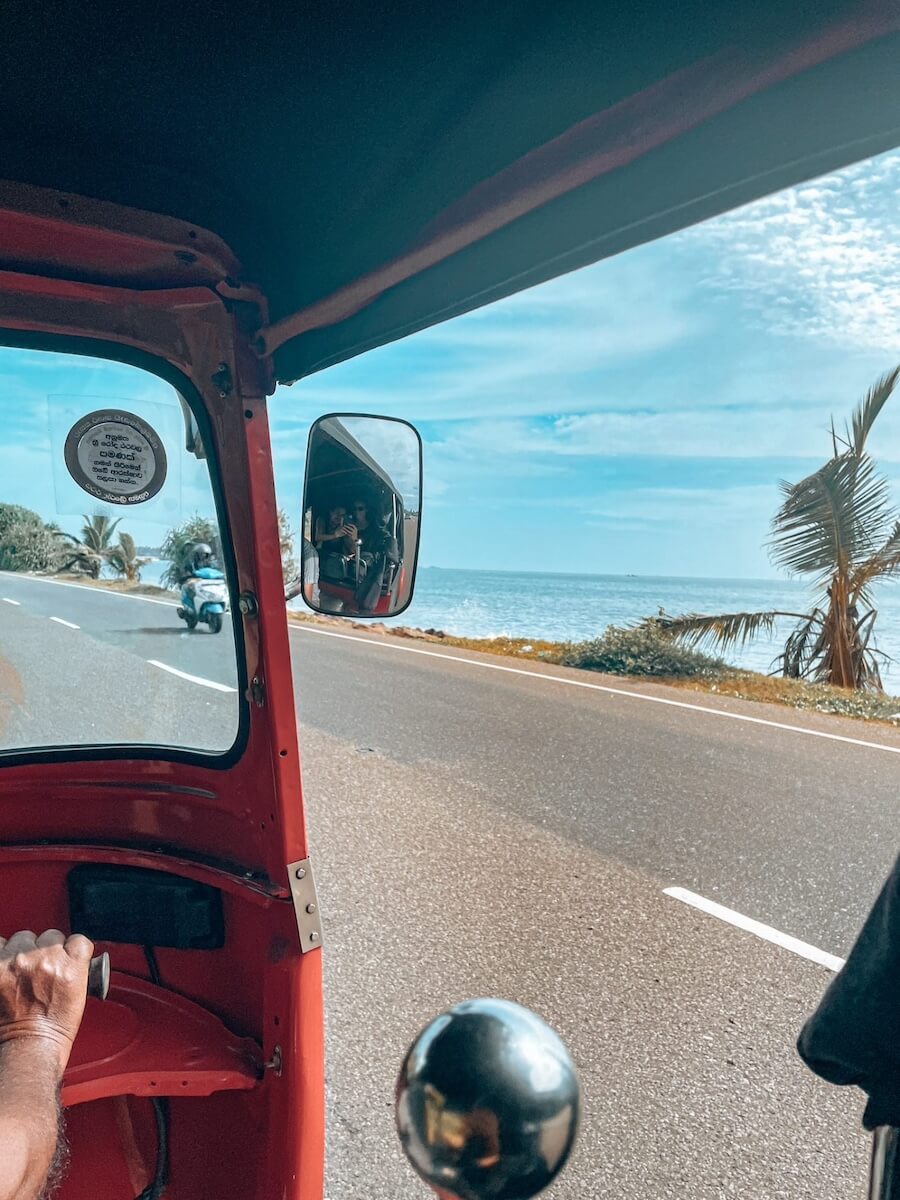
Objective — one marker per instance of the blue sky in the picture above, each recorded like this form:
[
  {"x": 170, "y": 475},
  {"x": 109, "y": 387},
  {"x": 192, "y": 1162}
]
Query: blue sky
[
  {"x": 44, "y": 395},
  {"x": 633, "y": 417},
  {"x": 636, "y": 416}
]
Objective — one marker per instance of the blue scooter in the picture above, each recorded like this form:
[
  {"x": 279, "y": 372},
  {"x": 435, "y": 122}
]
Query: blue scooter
[{"x": 204, "y": 598}]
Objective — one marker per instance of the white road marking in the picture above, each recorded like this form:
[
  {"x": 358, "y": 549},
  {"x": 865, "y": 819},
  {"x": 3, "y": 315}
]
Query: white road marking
[
  {"x": 68, "y": 624},
  {"x": 6, "y": 600},
  {"x": 612, "y": 691},
  {"x": 84, "y": 587},
  {"x": 766, "y": 932},
  {"x": 210, "y": 683}
]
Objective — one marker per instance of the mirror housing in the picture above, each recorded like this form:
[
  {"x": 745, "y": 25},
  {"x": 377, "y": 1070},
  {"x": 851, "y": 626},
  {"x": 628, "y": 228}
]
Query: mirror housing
[{"x": 361, "y": 514}]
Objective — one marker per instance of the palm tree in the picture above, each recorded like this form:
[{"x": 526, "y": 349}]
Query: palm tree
[
  {"x": 97, "y": 532},
  {"x": 839, "y": 528},
  {"x": 89, "y": 551},
  {"x": 75, "y": 555},
  {"x": 124, "y": 560}
]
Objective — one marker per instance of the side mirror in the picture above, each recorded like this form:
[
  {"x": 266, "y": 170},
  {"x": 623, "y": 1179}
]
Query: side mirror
[
  {"x": 361, "y": 510},
  {"x": 487, "y": 1103}
]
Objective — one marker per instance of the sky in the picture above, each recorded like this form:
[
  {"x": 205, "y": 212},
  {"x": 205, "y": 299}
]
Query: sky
[
  {"x": 636, "y": 416},
  {"x": 633, "y": 417}
]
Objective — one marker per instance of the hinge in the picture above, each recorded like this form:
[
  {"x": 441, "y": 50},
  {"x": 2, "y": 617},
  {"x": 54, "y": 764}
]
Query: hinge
[
  {"x": 256, "y": 692},
  {"x": 306, "y": 904},
  {"x": 222, "y": 381}
]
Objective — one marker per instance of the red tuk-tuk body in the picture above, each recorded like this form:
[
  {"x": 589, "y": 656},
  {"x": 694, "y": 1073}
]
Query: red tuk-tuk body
[{"x": 240, "y": 198}]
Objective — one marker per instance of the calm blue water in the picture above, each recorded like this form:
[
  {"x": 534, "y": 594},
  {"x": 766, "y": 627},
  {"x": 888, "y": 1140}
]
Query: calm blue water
[
  {"x": 573, "y": 607},
  {"x": 485, "y": 604}
]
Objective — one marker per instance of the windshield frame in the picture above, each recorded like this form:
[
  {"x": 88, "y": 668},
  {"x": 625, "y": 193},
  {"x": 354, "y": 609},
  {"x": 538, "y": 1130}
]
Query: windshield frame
[{"x": 184, "y": 388}]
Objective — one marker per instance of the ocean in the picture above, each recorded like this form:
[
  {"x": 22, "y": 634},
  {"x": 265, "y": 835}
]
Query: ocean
[{"x": 486, "y": 604}]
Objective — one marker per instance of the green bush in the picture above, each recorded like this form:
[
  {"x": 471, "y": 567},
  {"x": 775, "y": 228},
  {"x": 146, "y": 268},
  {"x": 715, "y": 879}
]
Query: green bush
[
  {"x": 642, "y": 650},
  {"x": 29, "y": 545},
  {"x": 13, "y": 515}
]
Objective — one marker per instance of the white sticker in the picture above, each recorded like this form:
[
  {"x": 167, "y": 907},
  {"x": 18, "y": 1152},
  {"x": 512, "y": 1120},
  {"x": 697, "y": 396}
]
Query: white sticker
[{"x": 116, "y": 456}]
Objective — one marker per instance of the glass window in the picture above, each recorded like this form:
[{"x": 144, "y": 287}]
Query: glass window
[{"x": 115, "y": 621}]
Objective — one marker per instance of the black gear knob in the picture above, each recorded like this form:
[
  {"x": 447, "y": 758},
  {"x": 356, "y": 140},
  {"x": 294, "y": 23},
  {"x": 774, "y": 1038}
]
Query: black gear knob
[
  {"x": 98, "y": 977},
  {"x": 487, "y": 1102}
]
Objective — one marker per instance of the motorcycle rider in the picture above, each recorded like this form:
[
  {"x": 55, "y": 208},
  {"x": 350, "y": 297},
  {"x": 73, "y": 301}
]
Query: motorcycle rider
[{"x": 197, "y": 556}]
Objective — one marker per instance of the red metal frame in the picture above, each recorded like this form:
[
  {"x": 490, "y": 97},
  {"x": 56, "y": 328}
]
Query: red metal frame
[{"x": 88, "y": 271}]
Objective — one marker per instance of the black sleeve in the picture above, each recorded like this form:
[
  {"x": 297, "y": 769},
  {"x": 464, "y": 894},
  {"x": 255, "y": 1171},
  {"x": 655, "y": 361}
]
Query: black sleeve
[{"x": 853, "y": 1037}]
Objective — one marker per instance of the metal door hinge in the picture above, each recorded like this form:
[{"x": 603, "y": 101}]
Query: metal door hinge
[
  {"x": 222, "y": 381},
  {"x": 256, "y": 692},
  {"x": 306, "y": 904}
]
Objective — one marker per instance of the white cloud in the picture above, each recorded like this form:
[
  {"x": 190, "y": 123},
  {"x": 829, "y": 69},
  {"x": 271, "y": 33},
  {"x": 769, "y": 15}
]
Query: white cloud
[
  {"x": 747, "y": 503},
  {"x": 540, "y": 352},
  {"x": 821, "y": 260}
]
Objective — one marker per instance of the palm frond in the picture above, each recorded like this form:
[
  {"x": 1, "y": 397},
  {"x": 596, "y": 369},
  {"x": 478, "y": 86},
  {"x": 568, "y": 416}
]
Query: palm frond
[
  {"x": 724, "y": 629},
  {"x": 884, "y": 563},
  {"x": 868, "y": 409},
  {"x": 802, "y": 647},
  {"x": 98, "y": 530},
  {"x": 832, "y": 519}
]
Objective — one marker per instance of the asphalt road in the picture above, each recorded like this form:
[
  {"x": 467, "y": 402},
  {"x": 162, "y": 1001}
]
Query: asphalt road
[
  {"x": 487, "y": 831},
  {"x": 85, "y": 665}
]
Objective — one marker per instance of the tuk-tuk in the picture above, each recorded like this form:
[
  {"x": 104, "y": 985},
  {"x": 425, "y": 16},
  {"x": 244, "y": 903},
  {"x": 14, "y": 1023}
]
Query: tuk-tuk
[{"x": 230, "y": 198}]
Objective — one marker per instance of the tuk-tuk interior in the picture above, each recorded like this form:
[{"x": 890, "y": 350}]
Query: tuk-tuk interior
[{"x": 236, "y": 199}]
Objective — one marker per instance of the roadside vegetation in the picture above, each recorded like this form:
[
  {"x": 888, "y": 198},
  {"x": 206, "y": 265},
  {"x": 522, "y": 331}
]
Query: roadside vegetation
[{"x": 102, "y": 553}]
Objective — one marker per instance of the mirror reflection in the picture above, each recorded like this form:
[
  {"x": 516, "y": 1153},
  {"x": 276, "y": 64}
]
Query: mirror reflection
[{"x": 361, "y": 508}]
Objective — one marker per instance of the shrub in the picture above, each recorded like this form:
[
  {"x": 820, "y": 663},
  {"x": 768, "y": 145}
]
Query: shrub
[
  {"x": 14, "y": 515},
  {"x": 641, "y": 650},
  {"x": 30, "y": 546}
]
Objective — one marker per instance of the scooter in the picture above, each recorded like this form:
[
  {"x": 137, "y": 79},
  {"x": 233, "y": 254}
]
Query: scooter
[{"x": 204, "y": 598}]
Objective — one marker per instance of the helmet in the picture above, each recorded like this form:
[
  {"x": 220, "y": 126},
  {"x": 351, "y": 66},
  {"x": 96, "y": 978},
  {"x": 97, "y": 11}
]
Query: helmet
[{"x": 201, "y": 555}]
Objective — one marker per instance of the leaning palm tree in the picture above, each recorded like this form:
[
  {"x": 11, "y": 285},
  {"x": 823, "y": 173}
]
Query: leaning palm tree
[
  {"x": 76, "y": 556},
  {"x": 838, "y": 528},
  {"x": 124, "y": 559}
]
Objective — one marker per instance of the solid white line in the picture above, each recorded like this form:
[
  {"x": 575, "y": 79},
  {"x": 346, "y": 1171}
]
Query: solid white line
[
  {"x": 612, "y": 691},
  {"x": 210, "y": 683},
  {"x": 84, "y": 587},
  {"x": 6, "y": 600},
  {"x": 68, "y": 624},
  {"x": 766, "y": 932}
]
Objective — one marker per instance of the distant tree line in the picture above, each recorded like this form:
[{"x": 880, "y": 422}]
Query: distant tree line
[{"x": 27, "y": 543}]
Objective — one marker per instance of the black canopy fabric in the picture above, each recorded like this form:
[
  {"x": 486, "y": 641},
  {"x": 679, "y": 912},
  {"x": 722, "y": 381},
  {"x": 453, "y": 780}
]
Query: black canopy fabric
[
  {"x": 326, "y": 139},
  {"x": 339, "y": 467},
  {"x": 854, "y": 1035}
]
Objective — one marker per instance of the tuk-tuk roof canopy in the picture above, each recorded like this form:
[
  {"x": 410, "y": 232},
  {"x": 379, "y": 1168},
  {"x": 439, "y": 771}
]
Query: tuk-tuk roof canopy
[
  {"x": 379, "y": 167},
  {"x": 340, "y": 463}
]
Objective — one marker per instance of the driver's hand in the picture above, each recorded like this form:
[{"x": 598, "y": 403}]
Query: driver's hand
[{"x": 43, "y": 989}]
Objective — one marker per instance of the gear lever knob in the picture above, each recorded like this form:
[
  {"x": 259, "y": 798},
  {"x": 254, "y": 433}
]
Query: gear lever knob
[
  {"x": 98, "y": 977},
  {"x": 487, "y": 1102}
]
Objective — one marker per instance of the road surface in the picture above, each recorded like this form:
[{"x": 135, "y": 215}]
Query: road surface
[{"x": 486, "y": 830}]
